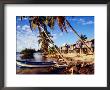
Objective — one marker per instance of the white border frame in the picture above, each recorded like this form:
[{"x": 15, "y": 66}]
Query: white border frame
[{"x": 100, "y": 77}]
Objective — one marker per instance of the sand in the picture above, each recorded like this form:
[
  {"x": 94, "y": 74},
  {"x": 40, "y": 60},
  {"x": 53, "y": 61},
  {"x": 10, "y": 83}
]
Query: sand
[
  {"x": 75, "y": 57},
  {"x": 80, "y": 64}
]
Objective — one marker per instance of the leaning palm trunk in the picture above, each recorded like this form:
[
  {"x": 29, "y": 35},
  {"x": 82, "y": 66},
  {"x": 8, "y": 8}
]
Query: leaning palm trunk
[
  {"x": 45, "y": 43},
  {"x": 78, "y": 36},
  {"x": 53, "y": 45}
]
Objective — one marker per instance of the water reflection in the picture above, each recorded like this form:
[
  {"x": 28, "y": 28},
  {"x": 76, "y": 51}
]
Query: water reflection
[{"x": 38, "y": 57}]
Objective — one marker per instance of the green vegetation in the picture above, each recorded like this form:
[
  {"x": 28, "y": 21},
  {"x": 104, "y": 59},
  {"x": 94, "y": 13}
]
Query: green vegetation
[
  {"x": 44, "y": 41},
  {"x": 27, "y": 53},
  {"x": 51, "y": 50},
  {"x": 42, "y": 22}
]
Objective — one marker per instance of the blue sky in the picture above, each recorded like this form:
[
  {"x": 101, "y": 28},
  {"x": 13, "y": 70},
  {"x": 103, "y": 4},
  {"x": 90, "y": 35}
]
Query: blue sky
[{"x": 27, "y": 38}]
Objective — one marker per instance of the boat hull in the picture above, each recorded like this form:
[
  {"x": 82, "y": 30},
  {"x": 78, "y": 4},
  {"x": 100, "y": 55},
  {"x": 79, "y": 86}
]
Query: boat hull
[{"x": 34, "y": 64}]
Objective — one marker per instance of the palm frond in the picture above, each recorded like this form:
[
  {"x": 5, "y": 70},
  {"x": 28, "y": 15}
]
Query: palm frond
[{"x": 62, "y": 23}]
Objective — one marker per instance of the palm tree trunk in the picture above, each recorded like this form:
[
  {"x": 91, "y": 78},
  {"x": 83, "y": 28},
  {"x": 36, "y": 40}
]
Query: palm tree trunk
[
  {"x": 78, "y": 36},
  {"x": 44, "y": 45},
  {"x": 54, "y": 45}
]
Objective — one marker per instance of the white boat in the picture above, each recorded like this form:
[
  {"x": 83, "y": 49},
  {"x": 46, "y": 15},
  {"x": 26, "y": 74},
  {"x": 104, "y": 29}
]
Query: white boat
[{"x": 35, "y": 64}]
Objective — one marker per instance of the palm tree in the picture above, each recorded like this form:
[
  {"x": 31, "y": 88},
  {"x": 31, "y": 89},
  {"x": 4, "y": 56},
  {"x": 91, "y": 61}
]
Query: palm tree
[
  {"x": 52, "y": 50},
  {"x": 41, "y": 22},
  {"x": 44, "y": 41},
  {"x": 79, "y": 36},
  {"x": 83, "y": 37}
]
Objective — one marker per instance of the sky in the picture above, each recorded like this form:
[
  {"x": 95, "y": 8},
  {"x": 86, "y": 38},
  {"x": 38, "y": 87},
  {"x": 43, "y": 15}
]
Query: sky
[{"x": 27, "y": 38}]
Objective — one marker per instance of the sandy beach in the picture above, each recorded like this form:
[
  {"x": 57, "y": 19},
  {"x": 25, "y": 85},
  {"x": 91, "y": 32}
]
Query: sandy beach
[
  {"x": 69, "y": 57},
  {"x": 77, "y": 64}
]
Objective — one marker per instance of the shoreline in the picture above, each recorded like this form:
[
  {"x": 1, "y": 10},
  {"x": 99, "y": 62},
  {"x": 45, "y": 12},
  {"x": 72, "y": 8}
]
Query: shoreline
[{"x": 83, "y": 64}]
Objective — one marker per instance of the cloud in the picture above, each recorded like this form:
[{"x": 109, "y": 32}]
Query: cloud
[
  {"x": 85, "y": 22},
  {"x": 72, "y": 19},
  {"x": 54, "y": 38},
  {"x": 89, "y": 22},
  {"x": 25, "y": 18},
  {"x": 81, "y": 20},
  {"x": 26, "y": 38},
  {"x": 53, "y": 34},
  {"x": 61, "y": 34},
  {"x": 25, "y": 27},
  {"x": 18, "y": 27},
  {"x": 18, "y": 19}
]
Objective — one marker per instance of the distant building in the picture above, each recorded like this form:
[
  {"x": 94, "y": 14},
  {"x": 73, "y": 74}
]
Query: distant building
[
  {"x": 79, "y": 47},
  {"x": 64, "y": 49}
]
